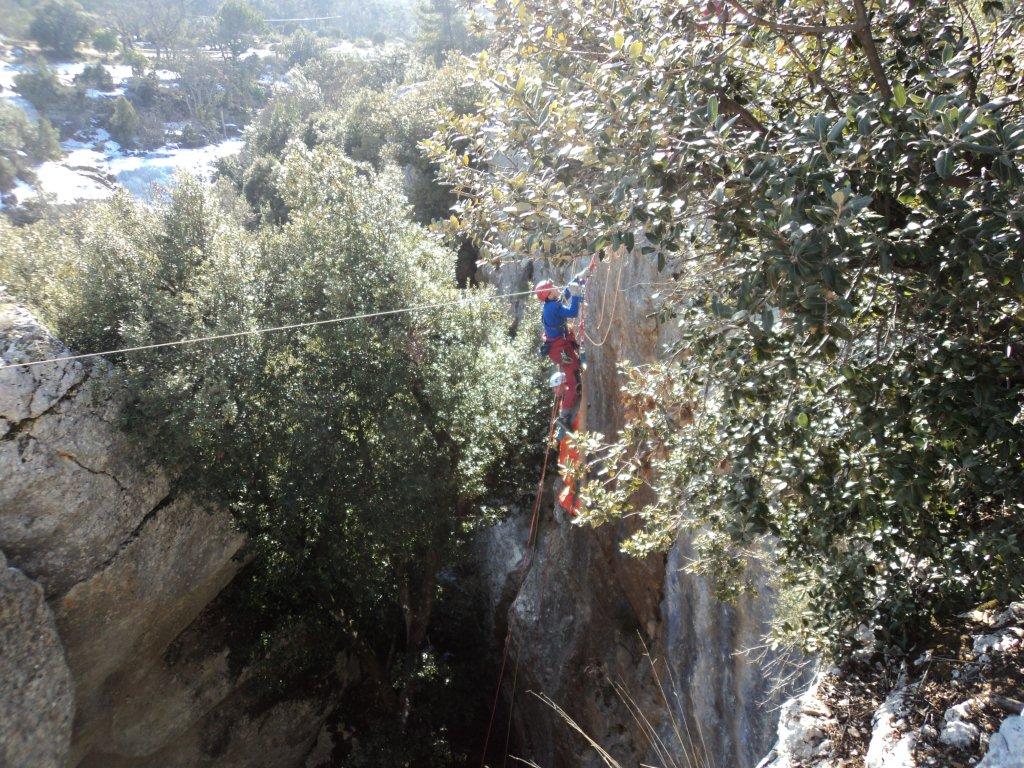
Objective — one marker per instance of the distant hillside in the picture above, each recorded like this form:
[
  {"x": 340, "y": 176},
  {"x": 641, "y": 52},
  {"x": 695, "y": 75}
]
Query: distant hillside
[{"x": 15, "y": 16}]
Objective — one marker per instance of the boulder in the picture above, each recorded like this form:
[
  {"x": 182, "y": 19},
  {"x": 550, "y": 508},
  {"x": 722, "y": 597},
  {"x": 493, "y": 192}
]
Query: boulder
[{"x": 74, "y": 486}]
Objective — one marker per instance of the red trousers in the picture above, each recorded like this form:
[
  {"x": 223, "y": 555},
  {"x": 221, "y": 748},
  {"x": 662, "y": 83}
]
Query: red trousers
[{"x": 564, "y": 353}]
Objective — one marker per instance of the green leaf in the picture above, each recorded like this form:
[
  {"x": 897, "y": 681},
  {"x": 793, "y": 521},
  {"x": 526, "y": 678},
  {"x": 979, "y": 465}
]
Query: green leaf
[
  {"x": 837, "y": 129},
  {"x": 899, "y": 95},
  {"x": 803, "y": 420}
]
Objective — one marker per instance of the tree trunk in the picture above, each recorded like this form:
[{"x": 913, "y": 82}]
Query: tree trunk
[{"x": 417, "y": 601}]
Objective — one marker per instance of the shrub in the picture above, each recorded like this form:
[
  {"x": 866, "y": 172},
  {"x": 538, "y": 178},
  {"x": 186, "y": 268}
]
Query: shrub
[
  {"x": 138, "y": 61},
  {"x": 60, "y": 25},
  {"x": 23, "y": 145},
  {"x": 124, "y": 123},
  {"x": 45, "y": 145},
  {"x": 236, "y": 25},
  {"x": 42, "y": 89},
  {"x": 95, "y": 76},
  {"x": 106, "y": 41},
  {"x": 8, "y": 174},
  {"x": 303, "y": 46}
]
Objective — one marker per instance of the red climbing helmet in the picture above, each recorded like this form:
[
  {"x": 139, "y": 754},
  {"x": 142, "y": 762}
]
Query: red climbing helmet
[{"x": 542, "y": 289}]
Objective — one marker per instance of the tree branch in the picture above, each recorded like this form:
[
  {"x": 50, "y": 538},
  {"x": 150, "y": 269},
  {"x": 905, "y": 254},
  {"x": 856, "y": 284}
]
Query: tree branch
[
  {"x": 863, "y": 33},
  {"x": 813, "y": 74},
  {"x": 731, "y": 106},
  {"x": 794, "y": 29}
]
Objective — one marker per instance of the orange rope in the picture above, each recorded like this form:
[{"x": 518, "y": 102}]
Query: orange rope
[{"x": 531, "y": 544}]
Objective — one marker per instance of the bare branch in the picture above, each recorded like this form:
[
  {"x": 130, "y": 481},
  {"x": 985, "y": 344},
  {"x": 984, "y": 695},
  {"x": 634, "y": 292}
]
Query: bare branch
[
  {"x": 731, "y": 106},
  {"x": 863, "y": 33}
]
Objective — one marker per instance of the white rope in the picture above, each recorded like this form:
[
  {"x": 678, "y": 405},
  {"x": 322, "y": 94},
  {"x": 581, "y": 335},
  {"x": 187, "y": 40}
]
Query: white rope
[{"x": 275, "y": 329}]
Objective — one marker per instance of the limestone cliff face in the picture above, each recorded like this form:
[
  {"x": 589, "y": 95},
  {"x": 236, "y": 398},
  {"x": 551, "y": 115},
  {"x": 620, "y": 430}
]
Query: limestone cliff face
[
  {"x": 36, "y": 697},
  {"x": 129, "y": 640},
  {"x": 586, "y": 615}
]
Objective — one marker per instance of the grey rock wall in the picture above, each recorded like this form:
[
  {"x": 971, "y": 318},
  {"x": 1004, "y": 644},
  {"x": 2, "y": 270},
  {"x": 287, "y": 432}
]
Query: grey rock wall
[
  {"x": 628, "y": 648},
  {"x": 36, "y": 694},
  {"x": 130, "y": 570}
]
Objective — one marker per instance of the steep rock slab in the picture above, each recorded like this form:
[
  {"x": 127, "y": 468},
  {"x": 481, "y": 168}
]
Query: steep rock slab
[
  {"x": 126, "y": 564},
  {"x": 720, "y": 686},
  {"x": 190, "y": 708},
  {"x": 74, "y": 487},
  {"x": 36, "y": 692},
  {"x": 587, "y": 616},
  {"x": 124, "y": 617}
]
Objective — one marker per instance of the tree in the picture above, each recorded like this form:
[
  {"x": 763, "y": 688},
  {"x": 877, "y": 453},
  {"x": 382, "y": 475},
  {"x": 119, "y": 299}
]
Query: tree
[
  {"x": 60, "y": 25},
  {"x": 237, "y": 23},
  {"x": 23, "y": 145},
  {"x": 106, "y": 41},
  {"x": 441, "y": 28},
  {"x": 95, "y": 76},
  {"x": 42, "y": 88},
  {"x": 832, "y": 192},
  {"x": 125, "y": 123},
  {"x": 301, "y": 47}
]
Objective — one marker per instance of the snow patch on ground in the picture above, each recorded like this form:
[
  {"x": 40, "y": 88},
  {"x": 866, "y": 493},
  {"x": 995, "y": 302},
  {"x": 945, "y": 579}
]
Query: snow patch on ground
[
  {"x": 146, "y": 174},
  {"x": 93, "y": 170},
  {"x": 8, "y": 71}
]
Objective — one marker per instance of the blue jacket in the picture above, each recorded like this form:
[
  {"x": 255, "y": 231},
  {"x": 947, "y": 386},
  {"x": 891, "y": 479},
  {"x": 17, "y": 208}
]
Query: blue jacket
[{"x": 555, "y": 314}]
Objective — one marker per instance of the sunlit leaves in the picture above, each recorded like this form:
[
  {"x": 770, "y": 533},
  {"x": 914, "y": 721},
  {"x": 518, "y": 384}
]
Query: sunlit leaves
[{"x": 846, "y": 273}]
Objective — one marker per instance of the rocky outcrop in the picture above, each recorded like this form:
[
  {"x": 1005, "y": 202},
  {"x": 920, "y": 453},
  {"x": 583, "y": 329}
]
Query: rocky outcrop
[
  {"x": 951, "y": 707},
  {"x": 131, "y": 571},
  {"x": 36, "y": 696},
  {"x": 638, "y": 652}
]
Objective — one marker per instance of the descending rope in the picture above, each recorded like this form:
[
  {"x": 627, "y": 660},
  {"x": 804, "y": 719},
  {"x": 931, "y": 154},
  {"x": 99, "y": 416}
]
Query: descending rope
[
  {"x": 601, "y": 326},
  {"x": 531, "y": 545},
  {"x": 257, "y": 331},
  {"x": 530, "y": 542}
]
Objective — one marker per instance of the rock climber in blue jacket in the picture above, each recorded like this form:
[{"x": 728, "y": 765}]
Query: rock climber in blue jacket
[{"x": 560, "y": 342}]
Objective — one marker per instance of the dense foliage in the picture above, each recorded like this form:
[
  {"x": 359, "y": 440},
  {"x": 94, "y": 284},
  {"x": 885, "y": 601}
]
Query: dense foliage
[
  {"x": 357, "y": 455},
  {"x": 376, "y": 108},
  {"x": 834, "y": 193},
  {"x": 236, "y": 25},
  {"x": 60, "y": 25},
  {"x": 442, "y": 28}
]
